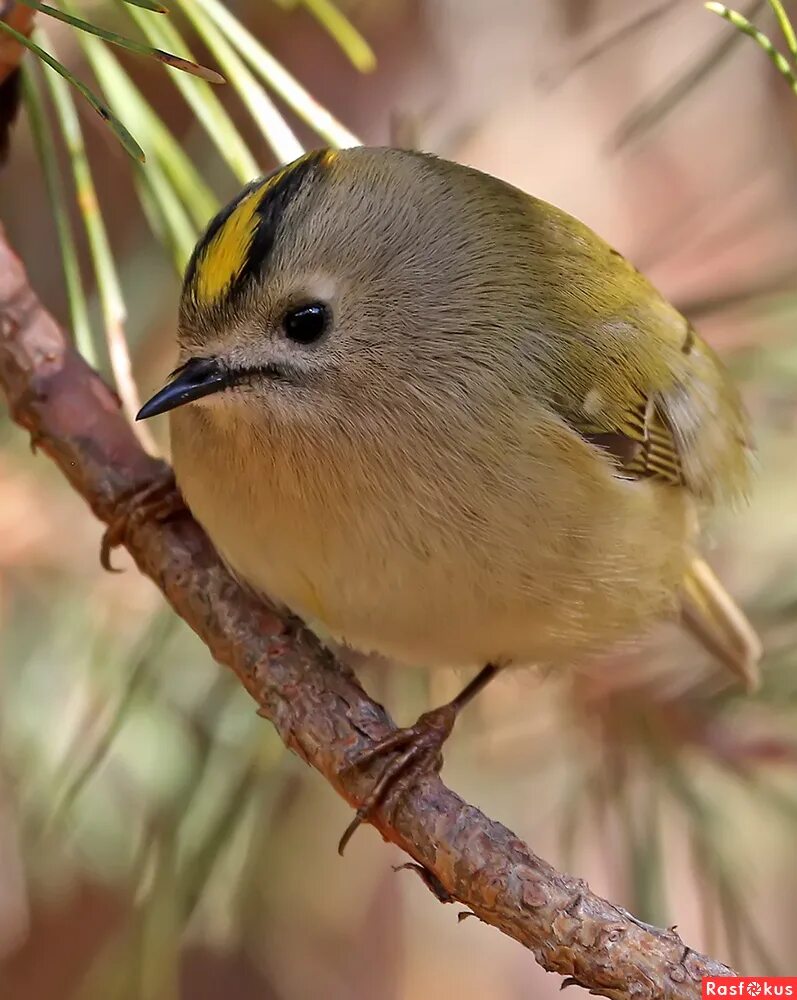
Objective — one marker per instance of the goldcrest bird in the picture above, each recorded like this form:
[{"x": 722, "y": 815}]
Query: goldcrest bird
[{"x": 442, "y": 421}]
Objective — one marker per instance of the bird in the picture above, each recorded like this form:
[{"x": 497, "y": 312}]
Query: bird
[{"x": 442, "y": 421}]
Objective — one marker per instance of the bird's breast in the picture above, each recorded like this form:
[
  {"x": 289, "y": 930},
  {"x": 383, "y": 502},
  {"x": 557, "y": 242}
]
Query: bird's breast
[{"x": 434, "y": 566}]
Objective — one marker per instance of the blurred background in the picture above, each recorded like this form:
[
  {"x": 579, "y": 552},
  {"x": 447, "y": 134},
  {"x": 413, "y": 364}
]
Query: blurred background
[{"x": 156, "y": 841}]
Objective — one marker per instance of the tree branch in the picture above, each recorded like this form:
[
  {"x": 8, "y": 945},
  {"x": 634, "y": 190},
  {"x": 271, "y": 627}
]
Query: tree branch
[{"x": 319, "y": 709}]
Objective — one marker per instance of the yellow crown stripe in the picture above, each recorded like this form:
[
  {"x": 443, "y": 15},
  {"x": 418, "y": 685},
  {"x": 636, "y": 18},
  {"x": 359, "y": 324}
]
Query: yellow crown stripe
[{"x": 225, "y": 256}]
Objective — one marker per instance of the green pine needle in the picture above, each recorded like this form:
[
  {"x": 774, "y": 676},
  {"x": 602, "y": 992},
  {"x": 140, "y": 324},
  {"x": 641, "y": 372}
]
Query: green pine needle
[
  {"x": 275, "y": 76},
  {"x": 340, "y": 28},
  {"x": 272, "y": 125},
  {"x": 153, "y": 5},
  {"x": 785, "y": 25},
  {"x": 167, "y": 216},
  {"x": 203, "y": 102},
  {"x": 177, "y": 62},
  {"x": 182, "y": 190},
  {"x": 742, "y": 24},
  {"x": 114, "y": 312},
  {"x": 102, "y": 109},
  {"x": 43, "y": 138}
]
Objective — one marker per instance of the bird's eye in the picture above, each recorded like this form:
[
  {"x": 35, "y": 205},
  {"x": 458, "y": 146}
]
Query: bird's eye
[{"x": 305, "y": 324}]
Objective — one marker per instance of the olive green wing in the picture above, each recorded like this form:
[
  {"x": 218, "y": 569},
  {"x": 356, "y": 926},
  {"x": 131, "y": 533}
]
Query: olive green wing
[
  {"x": 610, "y": 355},
  {"x": 631, "y": 375},
  {"x": 685, "y": 427},
  {"x": 645, "y": 446}
]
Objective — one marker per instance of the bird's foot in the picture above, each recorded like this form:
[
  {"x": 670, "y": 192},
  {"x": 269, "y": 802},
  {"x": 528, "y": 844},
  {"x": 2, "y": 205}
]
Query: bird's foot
[
  {"x": 159, "y": 500},
  {"x": 418, "y": 751}
]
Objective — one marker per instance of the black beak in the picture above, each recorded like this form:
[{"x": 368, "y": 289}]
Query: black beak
[{"x": 198, "y": 377}]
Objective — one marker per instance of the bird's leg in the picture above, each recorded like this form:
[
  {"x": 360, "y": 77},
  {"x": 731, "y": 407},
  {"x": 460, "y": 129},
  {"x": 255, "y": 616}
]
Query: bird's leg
[
  {"x": 418, "y": 749},
  {"x": 159, "y": 500}
]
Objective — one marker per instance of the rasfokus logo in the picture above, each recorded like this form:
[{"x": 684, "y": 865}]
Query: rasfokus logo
[{"x": 750, "y": 986}]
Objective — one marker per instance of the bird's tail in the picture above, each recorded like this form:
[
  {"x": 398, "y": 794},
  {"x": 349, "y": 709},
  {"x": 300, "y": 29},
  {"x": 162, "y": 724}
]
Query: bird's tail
[{"x": 710, "y": 614}]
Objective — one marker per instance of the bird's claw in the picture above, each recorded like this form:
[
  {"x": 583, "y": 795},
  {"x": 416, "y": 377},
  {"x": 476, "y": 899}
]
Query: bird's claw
[
  {"x": 157, "y": 501},
  {"x": 419, "y": 753}
]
